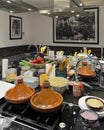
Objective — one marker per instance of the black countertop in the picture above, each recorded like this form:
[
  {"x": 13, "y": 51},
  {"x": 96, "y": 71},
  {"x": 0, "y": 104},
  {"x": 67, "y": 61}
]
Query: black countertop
[
  {"x": 67, "y": 116},
  {"x": 95, "y": 90}
]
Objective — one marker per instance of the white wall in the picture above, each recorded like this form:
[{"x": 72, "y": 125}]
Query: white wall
[
  {"x": 39, "y": 29},
  {"x": 4, "y": 30},
  {"x": 42, "y": 30}
]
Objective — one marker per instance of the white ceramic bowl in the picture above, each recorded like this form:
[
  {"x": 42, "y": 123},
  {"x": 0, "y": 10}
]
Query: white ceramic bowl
[
  {"x": 29, "y": 81},
  {"x": 59, "y": 84}
]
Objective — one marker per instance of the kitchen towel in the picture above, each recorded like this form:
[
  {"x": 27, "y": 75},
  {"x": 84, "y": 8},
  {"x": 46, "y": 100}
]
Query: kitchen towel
[{"x": 4, "y": 67}]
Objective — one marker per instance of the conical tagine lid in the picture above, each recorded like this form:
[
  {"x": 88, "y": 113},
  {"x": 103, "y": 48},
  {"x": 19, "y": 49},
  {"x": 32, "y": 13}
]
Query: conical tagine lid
[
  {"x": 85, "y": 70},
  {"x": 46, "y": 100},
  {"x": 19, "y": 93}
]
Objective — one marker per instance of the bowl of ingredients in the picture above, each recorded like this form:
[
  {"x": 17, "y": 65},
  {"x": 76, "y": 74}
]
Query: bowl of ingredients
[
  {"x": 29, "y": 81},
  {"x": 37, "y": 63},
  {"x": 59, "y": 84},
  {"x": 88, "y": 116},
  {"x": 94, "y": 103}
]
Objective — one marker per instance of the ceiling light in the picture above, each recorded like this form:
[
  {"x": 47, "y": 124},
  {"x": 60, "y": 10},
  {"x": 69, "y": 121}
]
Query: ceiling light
[
  {"x": 29, "y": 9},
  {"x": 58, "y": 10},
  {"x": 8, "y": 1},
  {"x": 48, "y": 13},
  {"x": 56, "y": 17},
  {"x": 77, "y": 15},
  {"x": 11, "y": 11},
  {"x": 44, "y": 11},
  {"x": 80, "y": 4},
  {"x": 72, "y": 11}
]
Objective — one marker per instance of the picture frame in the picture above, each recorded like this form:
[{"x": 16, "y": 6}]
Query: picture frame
[
  {"x": 15, "y": 27},
  {"x": 77, "y": 29}
]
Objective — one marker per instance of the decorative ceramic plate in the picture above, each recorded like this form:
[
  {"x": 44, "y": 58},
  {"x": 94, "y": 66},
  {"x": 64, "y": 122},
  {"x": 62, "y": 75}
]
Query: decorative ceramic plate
[
  {"x": 82, "y": 104},
  {"x": 94, "y": 103}
]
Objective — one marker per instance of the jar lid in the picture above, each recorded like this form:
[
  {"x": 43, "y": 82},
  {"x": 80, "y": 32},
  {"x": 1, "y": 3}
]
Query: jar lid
[{"x": 12, "y": 70}]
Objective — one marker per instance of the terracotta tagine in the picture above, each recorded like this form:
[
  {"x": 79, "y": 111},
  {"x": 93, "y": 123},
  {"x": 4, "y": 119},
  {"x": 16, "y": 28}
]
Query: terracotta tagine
[
  {"x": 85, "y": 70},
  {"x": 20, "y": 93},
  {"x": 46, "y": 100}
]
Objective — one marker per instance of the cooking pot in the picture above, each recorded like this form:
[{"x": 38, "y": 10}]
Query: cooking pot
[
  {"x": 85, "y": 70},
  {"x": 47, "y": 100},
  {"x": 20, "y": 93}
]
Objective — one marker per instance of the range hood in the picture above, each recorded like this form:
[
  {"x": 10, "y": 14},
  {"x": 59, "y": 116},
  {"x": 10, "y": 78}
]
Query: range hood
[
  {"x": 45, "y": 7},
  {"x": 53, "y": 7},
  {"x": 16, "y": 6},
  {"x": 63, "y": 7}
]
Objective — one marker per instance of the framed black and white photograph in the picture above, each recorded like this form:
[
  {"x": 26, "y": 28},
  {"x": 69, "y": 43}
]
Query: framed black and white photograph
[
  {"x": 15, "y": 27},
  {"x": 80, "y": 29}
]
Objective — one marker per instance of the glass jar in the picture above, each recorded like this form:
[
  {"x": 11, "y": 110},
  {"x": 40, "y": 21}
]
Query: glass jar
[
  {"x": 78, "y": 89},
  {"x": 24, "y": 69},
  {"x": 11, "y": 74}
]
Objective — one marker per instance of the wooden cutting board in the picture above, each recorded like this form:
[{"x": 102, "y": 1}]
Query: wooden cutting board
[{"x": 44, "y": 77}]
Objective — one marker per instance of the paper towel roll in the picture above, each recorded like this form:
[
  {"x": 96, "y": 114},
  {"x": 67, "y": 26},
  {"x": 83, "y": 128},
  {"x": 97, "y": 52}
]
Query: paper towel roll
[
  {"x": 51, "y": 54},
  {"x": 4, "y": 67},
  {"x": 52, "y": 73}
]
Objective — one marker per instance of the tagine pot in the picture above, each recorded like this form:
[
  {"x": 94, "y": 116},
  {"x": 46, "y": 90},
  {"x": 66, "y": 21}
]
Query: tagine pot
[
  {"x": 47, "y": 100},
  {"x": 20, "y": 93},
  {"x": 85, "y": 70}
]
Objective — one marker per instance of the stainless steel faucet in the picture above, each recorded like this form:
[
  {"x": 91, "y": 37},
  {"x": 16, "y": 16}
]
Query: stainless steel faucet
[{"x": 36, "y": 46}]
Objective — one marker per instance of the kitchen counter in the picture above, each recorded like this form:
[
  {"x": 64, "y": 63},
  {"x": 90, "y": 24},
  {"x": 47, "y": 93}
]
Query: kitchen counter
[
  {"x": 95, "y": 91},
  {"x": 68, "y": 97}
]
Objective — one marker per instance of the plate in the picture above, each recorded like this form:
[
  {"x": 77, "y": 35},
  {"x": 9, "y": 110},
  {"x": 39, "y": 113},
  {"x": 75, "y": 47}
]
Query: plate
[
  {"x": 93, "y": 102},
  {"x": 82, "y": 104},
  {"x": 87, "y": 75}
]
